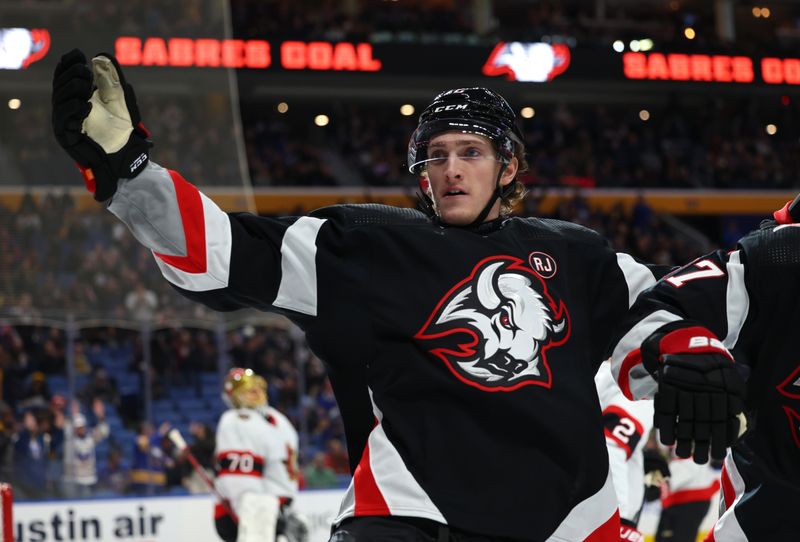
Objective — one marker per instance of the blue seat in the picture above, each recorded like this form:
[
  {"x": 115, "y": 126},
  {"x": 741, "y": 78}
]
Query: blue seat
[
  {"x": 192, "y": 404},
  {"x": 162, "y": 404},
  {"x": 171, "y": 416},
  {"x": 180, "y": 393}
]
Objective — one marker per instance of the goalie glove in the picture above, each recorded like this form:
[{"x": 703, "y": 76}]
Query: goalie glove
[
  {"x": 96, "y": 120},
  {"x": 700, "y": 398}
]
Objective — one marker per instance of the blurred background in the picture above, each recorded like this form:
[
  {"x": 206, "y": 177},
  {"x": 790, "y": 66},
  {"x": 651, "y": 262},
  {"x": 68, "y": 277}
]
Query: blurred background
[{"x": 670, "y": 126}]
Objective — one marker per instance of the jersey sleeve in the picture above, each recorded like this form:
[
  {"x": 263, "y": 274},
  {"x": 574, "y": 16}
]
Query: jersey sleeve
[
  {"x": 711, "y": 291},
  {"x": 224, "y": 260},
  {"x": 619, "y": 280}
]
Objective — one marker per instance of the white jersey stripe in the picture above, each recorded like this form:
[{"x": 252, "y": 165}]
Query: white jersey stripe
[
  {"x": 640, "y": 383},
  {"x": 218, "y": 254},
  {"x": 727, "y": 527},
  {"x": 402, "y": 493},
  {"x": 348, "y": 507},
  {"x": 298, "y": 288},
  {"x": 737, "y": 301},
  {"x": 587, "y": 515},
  {"x": 638, "y": 276}
]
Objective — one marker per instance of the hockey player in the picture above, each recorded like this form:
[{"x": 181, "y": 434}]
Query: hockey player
[
  {"x": 461, "y": 346},
  {"x": 626, "y": 425},
  {"x": 256, "y": 463},
  {"x": 685, "y": 500},
  {"x": 748, "y": 300}
]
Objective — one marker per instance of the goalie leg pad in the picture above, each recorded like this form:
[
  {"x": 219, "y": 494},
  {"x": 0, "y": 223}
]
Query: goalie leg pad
[{"x": 258, "y": 517}]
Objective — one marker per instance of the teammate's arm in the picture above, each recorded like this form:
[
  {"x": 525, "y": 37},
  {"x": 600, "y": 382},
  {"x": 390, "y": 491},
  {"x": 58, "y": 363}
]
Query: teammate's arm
[{"x": 674, "y": 347}]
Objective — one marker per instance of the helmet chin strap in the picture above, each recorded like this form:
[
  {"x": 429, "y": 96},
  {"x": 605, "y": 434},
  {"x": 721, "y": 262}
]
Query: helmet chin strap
[
  {"x": 427, "y": 203},
  {"x": 496, "y": 194}
]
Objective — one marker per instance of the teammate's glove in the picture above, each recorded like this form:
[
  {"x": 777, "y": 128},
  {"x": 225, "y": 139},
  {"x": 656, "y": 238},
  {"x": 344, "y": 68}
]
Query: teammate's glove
[
  {"x": 700, "y": 396},
  {"x": 789, "y": 213},
  {"x": 656, "y": 472},
  {"x": 96, "y": 120}
]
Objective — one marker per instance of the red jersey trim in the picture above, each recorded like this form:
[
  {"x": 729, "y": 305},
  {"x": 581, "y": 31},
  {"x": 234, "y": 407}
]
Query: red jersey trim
[
  {"x": 607, "y": 531},
  {"x": 690, "y": 495},
  {"x": 190, "y": 205},
  {"x": 369, "y": 500}
]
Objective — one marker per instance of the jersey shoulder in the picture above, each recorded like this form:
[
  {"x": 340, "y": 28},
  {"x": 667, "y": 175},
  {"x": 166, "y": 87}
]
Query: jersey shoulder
[
  {"x": 773, "y": 245},
  {"x": 370, "y": 214},
  {"x": 282, "y": 423},
  {"x": 550, "y": 228},
  {"x": 235, "y": 416}
]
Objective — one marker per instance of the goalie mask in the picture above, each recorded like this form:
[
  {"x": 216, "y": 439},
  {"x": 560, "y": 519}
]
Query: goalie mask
[
  {"x": 244, "y": 389},
  {"x": 474, "y": 110}
]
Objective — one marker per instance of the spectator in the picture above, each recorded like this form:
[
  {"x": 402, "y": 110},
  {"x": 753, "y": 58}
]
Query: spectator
[
  {"x": 38, "y": 393},
  {"x": 31, "y": 457},
  {"x": 80, "y": 455},
  {"x": 141, "y": 303},
  {"x": 150, "y": 463},
  {"x": 6, "y": 441},
  {"x": 336, "y": 457},
  {"x": 202, "y": 447},
  {"x": 318, "y": 474},
  {"x": 102, "y": 387},
  {"x": 114, "y": 475}
]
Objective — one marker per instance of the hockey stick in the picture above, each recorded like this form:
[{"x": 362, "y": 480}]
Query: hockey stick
[{"x": 176, "y": 438}]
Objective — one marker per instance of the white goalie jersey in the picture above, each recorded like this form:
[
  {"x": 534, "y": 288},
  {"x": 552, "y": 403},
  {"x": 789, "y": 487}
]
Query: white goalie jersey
[{"x": 256, "y": 453}]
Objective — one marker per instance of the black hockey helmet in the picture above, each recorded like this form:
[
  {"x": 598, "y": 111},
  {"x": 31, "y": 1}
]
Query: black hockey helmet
[{"x": 474, "y": 110}]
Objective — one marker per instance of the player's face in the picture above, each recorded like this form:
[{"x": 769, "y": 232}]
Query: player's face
[
  {"x": 462, "y": 170},
  {"x": 253, "y": 396}
]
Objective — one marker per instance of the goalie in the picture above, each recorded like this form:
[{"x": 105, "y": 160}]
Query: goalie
[{"x": 256, "y": 465}]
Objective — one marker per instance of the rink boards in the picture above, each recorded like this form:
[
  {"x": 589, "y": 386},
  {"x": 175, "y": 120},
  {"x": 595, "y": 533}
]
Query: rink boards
[{"x": 167, "y": 519}]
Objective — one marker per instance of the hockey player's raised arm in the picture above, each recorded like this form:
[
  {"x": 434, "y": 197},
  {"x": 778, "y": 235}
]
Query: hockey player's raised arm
[
  {"x": 674, "y": 346},
  {"x": 226, "y": 261}
]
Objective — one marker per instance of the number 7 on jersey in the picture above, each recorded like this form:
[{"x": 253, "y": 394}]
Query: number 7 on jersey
[{"x": 708, "y": 269}]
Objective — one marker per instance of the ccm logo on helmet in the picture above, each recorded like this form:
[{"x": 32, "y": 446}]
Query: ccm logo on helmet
[{"x": 451, "y": 107}]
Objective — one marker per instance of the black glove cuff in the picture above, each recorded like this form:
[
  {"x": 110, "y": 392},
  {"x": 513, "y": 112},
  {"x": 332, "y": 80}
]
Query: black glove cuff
[{"x": 651, "y": 346}]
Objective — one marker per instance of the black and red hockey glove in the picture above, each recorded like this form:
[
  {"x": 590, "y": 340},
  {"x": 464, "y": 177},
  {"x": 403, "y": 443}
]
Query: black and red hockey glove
[
  {"x": 700, "y": 398},
  {"x": 96, "y": 120},
  {"x": 789, "y": 213}
]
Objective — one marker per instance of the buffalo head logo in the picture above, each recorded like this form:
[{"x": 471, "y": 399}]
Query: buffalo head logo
[
  {"x": 529, "y": 62},
  {"x": 790, "y": 388},
  {"x": 19, "y": 47},
  {"x": 493, "y": 329}
]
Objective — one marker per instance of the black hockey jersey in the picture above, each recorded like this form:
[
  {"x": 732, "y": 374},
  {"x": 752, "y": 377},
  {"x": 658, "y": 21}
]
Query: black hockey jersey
[
  {"x": 463, "y": 360},
  {"x": 749, "y": 298}
]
